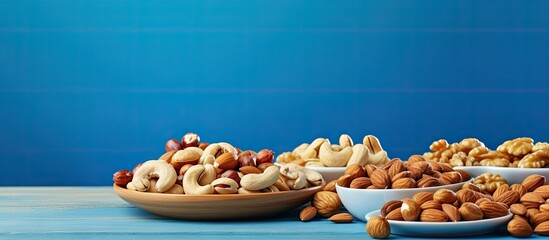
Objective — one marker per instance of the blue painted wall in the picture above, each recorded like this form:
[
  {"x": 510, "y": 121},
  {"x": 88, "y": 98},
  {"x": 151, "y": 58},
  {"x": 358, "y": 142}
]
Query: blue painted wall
[{"x": 90, "y": 87}]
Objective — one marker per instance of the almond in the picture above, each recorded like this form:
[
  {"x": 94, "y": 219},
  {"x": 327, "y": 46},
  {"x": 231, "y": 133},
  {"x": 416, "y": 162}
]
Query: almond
[
  {"x": 451, "y": 177},
  {"x": 509, "y": 197},
  {"x": 431, "y": 204},
  {"x": 467, "y": 195},
  {"x": 531, "y": 213},
  {"x": 423, "y": 166},
  {"x": 539, "y": 218},
  {"x": 404, "y": 183},
  {"x": 521, "y": 189},
  {"x": 396, "y": 168},
  {"x": 533, "y": 181},
  {"x": 327, "y": 203},
  {"x": 389, "y": 207},
  {"x": 470, "y": 211},
  {"x": 422, "y": 197},
  {"x": 361, "y": 183},
  {"x": 378, "y": 227},
  {"x": 445, "y": 196},
  {"x": 470, "y": 186},
  {"x": 532, "y": 200},
  {"x": 544, "y": 207},
  {"x": 433, "y": 215},
  {"x": 344, "y": 181},
  {"x": 403, "y": 174},
  {"x": 543, "y": 191},
  {"x": 395, "y": 215},
  {"x": 341, "y": 218},
  {"x": 542, "y": 229},
  {"x": 355, "y": 170},
  {"x": 518, "y": 209},
  {"x": 249, "y": 169},
  {"x": 464, "y": 175},
  {"x": 330, "y": 186},
  {"x": 428, "y": 182},
  {"x": 390, "y": 163},
  {"x": 380, "y": 179},
  {"x": 481, "y": 200},
  {"x": 226, "y": 161},
  {"x": 493, "y": 209},
  {"x": 410, "y": 209},
  {"x": 500, "y": 190},
  {"x": 307, "y": 213},
  {"x": 452, "y": 212},
  {"x": 370, "y": 168},
  {"x": 519, "y": 228}
]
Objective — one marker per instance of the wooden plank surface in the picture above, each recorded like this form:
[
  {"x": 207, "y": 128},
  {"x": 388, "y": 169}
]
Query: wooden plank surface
[{"x": 96, "y": 212}]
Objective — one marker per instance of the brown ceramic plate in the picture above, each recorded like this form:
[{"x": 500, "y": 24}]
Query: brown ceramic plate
[{"x": 217, "y": 206}]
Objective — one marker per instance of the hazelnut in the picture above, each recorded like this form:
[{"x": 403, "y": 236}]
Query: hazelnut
[
  {"x": 232, "y": 174},
  {"x": 190, "y": 140},
  {"x": 265, "y": 156},
  {"x": 378, "y": 227},
  {"x": 122, "y": 178},
  {"x": 172, "y": 145},
  {"x": 203, "y": 145},
  {"x": 246, "y": 158}
]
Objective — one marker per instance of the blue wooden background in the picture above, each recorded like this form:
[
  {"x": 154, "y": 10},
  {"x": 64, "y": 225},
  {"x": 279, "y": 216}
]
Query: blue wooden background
[{"x": 90, "y": 87}]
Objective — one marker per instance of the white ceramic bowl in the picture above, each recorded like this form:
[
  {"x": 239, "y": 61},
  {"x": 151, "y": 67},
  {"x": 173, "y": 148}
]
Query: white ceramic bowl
[
  {"x": 512, "y": 175},
  {"x": 444, "y": 229},
  {"x": 328, "y": 173},
  {"x": 359, "y": 202}
]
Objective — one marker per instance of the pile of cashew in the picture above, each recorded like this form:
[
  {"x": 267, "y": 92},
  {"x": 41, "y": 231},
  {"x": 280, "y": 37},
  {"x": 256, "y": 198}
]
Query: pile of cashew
[
  {"x": 321, "y": 153},
  {"x": 219, "y": 168}
]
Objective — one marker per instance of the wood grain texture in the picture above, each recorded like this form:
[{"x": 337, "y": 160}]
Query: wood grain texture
[{"x": 96, "y": 212}]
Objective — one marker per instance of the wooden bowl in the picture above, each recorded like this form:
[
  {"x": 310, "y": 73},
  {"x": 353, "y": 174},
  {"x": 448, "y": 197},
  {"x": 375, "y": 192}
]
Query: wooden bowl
[{"x": 217, "y": 206}]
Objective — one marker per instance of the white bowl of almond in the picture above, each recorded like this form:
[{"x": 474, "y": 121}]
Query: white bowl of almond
[{"x": 363, "y": 190}]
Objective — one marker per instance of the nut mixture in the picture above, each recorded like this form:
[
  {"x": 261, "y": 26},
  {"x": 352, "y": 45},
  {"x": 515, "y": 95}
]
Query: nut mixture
[
  {"x": 192, "y": 167},
  {"x": 396, "y": 174},
  {"x": 529, "y": 202},
  {"x": 518, "y": 152},
  {"x": 321, "y": 153}
]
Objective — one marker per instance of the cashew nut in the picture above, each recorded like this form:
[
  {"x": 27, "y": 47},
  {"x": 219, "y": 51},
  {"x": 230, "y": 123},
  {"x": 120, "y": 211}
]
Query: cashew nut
[
  {"x": 299, "y": 183},
  {"x": 372, "y": 143},
  {"x": 331, "y": 158},
  {"x": 256, "y": 182},
  {"x": 336, "y": 147},
  {"x": 379, "y": 158},
  {"x": 208, "y": 159},
  {"x": 212, "y": 149},
  {"x": 154, "y": 169},
  {"x": 345, "y": 141},
  {"x": 313, "y": 177},
  {"x": 360, "y": 155},
  {"x": 225, "y": 186},
  {"x": 272, "y": 188},
  {"x": 312, "y": 150},
  {"x": 314, "y": 164},
  {"x": 190, "y": 181},
  {"x": 176, "y": 189},
  {"x": 297, "y": 151},
  {"x": 244, "y": 191},
  {"x": 281, "y": 185},
  {"x": 208, "y": 175}
]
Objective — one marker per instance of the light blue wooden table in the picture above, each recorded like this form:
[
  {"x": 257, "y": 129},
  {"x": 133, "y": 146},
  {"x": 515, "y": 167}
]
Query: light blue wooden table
[{"x": 96, "y": 212}]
